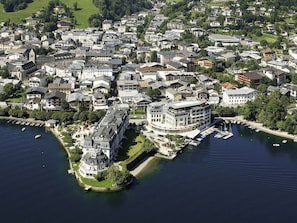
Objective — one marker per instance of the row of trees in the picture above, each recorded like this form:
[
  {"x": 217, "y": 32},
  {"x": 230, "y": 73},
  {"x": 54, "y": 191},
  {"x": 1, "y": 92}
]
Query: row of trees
[{"x": 61, "y": 116}]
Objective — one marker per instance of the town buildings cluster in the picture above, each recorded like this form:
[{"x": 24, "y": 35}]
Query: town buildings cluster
[{"x": 100, "y": 67}]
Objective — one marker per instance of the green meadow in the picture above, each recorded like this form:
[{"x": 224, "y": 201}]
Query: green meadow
[
  {"x": 86, "y": 9},
  {"x": 266, "y": 36}
]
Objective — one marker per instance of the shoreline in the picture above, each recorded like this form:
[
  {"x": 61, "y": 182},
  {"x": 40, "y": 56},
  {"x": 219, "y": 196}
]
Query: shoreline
[
  {"x": 261, "y": 127},
  {"x": 146, "y": 163},
  {"x": 142, "y": 166}
]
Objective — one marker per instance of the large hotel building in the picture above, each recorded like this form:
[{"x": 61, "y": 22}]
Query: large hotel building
[{"x": 178, "y": 117}]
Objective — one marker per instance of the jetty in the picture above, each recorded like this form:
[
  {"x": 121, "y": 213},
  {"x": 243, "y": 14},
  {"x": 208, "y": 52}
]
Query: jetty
[{"x": 23, "y": 121}]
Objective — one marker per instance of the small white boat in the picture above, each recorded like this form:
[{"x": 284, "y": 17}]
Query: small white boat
[
  {"x": 218, "y": 135},
  {"x": 257, "y": 130},
  {"x": 275, "y": 144},
  {"x": 194, "y": 143},
  {"x": 37, "y": 136},
  {"x": 23, "y": 129},
  {"x": 284, "y": 141}
]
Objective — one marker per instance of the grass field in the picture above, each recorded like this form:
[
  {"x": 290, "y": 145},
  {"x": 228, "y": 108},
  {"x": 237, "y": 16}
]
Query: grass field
[
  {"x": 95, "y": 183},
  {"x": 266, "y": 36},
  {"x": 86, "y": 7}
]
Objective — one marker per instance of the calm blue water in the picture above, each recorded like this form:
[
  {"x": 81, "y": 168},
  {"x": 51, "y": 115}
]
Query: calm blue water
[{"x": 242, "y": 179}]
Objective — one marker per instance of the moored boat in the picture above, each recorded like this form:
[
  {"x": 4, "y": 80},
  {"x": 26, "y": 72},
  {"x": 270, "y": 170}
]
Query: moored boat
[
  {"x": 37, "y": 136},
  {"x": 23, "y": 129},
  {"x": 275, "y": 144}
]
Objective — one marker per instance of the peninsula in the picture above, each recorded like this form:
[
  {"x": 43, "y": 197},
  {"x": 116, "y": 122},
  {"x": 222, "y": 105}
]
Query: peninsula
[{"x": 133, "y": 83}]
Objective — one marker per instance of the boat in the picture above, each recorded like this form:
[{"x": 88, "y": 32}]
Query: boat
[
  {"x": 218, "y": 135},
  {"x": 275, "y": 144},
  {"x": 23, "y": 129},
  {"x": 194, "y": 143},
  {"x": 284, "y": 141},
  {"x": 257, "y": 130},
  {"x": 37, "y": 136}
]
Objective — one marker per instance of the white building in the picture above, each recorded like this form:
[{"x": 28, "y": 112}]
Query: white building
[
  {"x": 238, "y": 97},
  {"x": 178, "y": 117},
  {"x": 100, "y": 150}
]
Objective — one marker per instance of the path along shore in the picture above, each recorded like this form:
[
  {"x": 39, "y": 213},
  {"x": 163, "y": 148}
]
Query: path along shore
[
  {"x": 142, "y": 166},
  {"x": 261, "y": 127}
]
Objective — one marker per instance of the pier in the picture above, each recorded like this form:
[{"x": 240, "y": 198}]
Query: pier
[{"x": 23, "y": 121}]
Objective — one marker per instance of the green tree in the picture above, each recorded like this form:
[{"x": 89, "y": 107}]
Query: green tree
[
  {"x": 4, "y": 72},
  {"x": 154, "y": 57},
  {"x": 148, "y": 146},
  {"x": 118, "y": 176},
  {"x": 153, "y": 93}
]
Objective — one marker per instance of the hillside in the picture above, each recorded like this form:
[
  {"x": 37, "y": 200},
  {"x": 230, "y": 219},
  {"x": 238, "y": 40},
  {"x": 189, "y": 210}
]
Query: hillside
[{"x": 87, "y": 8}]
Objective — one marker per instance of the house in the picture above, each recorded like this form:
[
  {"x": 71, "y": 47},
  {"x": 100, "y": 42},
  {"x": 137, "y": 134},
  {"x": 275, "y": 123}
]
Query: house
[
  {"x": 141, "y": 101},
  {"x": 53, "y": 100},
  {"x": 78, "y": 100},
  {"x": 238, "y": 97},
  {"x": 151, "y": 71},
  {"x": 268, "y": 55},
  {"x": 175, "y": 75},
  {"x": 37, "y": 80},
  {"x": 60, "y": 87},
  {"x": 292, "y": 88},
  {"x": 275, "y": 74},
  {"x": 249, "y": 78},
  {"x": 282, "y": 90},
  {"x": 32, "y": 104},
  {"x": 172, "y": 94},
  {"x": 99, "y": 101},
  {"x": 35, "y": 92},
  {"x": 102, "y": 84}
]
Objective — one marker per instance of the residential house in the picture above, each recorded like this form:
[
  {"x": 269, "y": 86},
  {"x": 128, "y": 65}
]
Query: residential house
[
  {"x": 53, "y": 100},
  {"x": 102, "y": 84},
  {"x": 60, "y": 87},
  {"x": 141, "y": 101},
  {"x": 275, "y": 74},
  {"x": 37, "y": 80},
  {"x": 78, "y": 100},
  {"x": 35, "y": 92},
  {"x": 249, "y": 78},
  {"x": 292, "y": 88},
  {"x": 99, "y": 101},
  {"x": 268, "y": 55}
]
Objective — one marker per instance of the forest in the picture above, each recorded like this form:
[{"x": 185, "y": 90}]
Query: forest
[
  {"x": 116, "y": 9},
  {"x": 14, "y": 5}
]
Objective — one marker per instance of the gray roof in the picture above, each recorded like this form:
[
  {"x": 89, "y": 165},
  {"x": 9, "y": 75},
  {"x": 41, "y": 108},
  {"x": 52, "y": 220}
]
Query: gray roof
[
  {"x": 56, "y": 94},
  {"x": 41, "y": 90}
]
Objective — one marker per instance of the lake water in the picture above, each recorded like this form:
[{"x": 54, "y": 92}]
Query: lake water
[{"x": 242, "y": 179}]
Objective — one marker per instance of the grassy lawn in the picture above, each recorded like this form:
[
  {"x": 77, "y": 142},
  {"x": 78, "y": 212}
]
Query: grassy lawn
[
  {"x": 95, "y": 183},
  {"x": 216, "y": 3},
  {"x": 131, "y": 146},
  {"x": 86, "y": 7},
  {"x": 173, "y": 0},
  {"x": 266, "y": 36}
]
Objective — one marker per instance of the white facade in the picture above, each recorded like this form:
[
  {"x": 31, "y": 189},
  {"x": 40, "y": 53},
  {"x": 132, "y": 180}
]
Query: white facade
[
  {"x": 178, "y": 117},
  {"x": 237, "y": 97}
]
